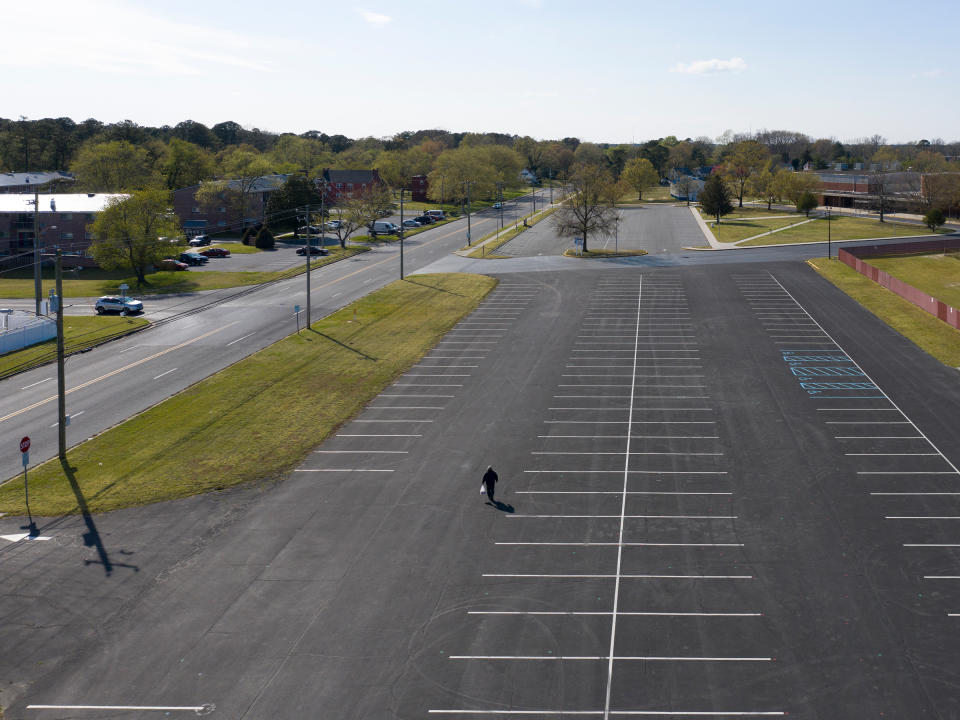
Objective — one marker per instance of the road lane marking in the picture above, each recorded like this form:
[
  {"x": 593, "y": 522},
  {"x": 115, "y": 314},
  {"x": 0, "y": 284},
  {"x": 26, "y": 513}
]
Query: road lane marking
[
  {"x": 39, "y": 382},
  {"x": 116, "y": 372},
  {"x": 166, "y": 373},
  {"x": 234, "y": 342},
  {"x": 199, "y": 709},
  {"x": 71, "y": 416},
  {"x": 604, "y": 613},
  {"x": 611, "y": 658}
]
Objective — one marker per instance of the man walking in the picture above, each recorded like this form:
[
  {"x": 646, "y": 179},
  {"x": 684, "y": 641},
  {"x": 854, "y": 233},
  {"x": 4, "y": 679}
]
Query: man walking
[{"x": 490, "y": 481}]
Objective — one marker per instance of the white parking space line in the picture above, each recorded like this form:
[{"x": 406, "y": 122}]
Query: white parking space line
[
  {"x": 931, "y": 544},
  {"x": 608, "y": 614},
  {"x": 649, "y": 658},
  {"x": 915, "y": 493},
  {"x": 921, "y": 517},
  {"x": 199, "y": 709},
  {"x": 634, "y": 472},
  {"x": 234, "y": 342},
  {"x": 165, "y": 373},
  {"x": 617, "y": 576},
  {"x": 38, "y": 382},
  {"x": 626, "y": 544},
  {"x": 635, "y": 437},
  {"x": 570, "y": 452}
]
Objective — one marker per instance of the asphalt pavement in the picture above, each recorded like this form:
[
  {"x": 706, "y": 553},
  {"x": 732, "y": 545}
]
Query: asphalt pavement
[{"x": 725, "y": 491}]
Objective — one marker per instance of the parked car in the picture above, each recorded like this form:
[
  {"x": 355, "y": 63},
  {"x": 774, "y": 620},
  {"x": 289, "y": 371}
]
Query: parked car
[
  {"x": 332, "y": 224},
  {"x": 382, "y": 227},
  {"x": 497, "y": 205},
  {"x": 425, "y": 220},
  {"x": 312, "y": 249},
  {"x": 214, "y": 252},
  {"x": 118, "y": 304},
  {"x": 413, "y": 223},
  {"x": 436, "y": 214},
  {"x": 384, "y": 212},
  {"x": 199, "y": 240},
  {"x": 171, "y": 264},
  {"x": 192, "y": 258}
]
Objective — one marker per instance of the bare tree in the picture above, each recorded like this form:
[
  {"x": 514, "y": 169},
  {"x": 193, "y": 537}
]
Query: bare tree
[
  {"x": 588, "y": 209},
  {"x": 358, "y": 211}
]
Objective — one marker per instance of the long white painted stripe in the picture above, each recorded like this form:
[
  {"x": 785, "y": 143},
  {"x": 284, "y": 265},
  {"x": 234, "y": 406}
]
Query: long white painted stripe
[
  {"x": 921, "y": 517},
  {"x": 637, "y": 614},
  {"x": 649, "y": 517},
  {"x": 234, "y": 342},
  {"x": 199, "y": 709},
  {"x": 343, "y": 470},
  {"x": 392, "y": 421},
  {"x": 634, "y": 492},
  {"x": 39, "y": 382},
  {"x": 931, "y": 544},
  {"x": 566, "y": 452},
  {"x": 626, "y": 544},
  {"x": 638, "y": 472},
  {"x": 360, "y": 452},
  {"x": 377, "y": 435},
  {"x": 618, "y": 576},
  {"x": 651, "y": 658},
  {"x": 165, "y": 373}
]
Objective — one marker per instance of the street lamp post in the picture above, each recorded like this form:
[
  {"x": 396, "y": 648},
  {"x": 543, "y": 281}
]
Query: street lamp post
[
  {"x": 829, "y": 244},
  {"x": 401, "y": 233}
]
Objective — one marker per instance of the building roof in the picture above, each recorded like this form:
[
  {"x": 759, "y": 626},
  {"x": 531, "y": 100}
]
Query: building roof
[
  {"x": 263, "y": 184},
  {"x": 32, "y": 178},
  {"x": 357, "y": 177},
  {"x": 64, "y": 202}
]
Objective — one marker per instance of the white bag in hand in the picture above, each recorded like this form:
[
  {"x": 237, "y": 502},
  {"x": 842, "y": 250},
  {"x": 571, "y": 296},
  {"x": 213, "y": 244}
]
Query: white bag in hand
[{"x": 483, "y": 488}]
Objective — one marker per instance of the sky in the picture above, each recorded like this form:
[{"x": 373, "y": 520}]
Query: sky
[{"x": 604, "y": 71}]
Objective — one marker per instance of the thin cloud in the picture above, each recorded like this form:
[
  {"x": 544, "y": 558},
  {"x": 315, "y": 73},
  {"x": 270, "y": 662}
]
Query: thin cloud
[
  {"x": 375, "y": 18},
  {"x": 936, "y": 72},
  {"x": 112, "y": 40},
  {"x": 710, "y": 67},
  {"x": 536, "y": 4}
]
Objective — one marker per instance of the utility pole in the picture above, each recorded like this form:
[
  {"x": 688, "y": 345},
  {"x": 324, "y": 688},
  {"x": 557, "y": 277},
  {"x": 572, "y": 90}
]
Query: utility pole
[
  {"x": 61, "y": 390},
  {"x": 533, "y": 186},
  {"x": 829, "y": 244},
  {"x": 307, "y": 251},
  {"x": 468, "y": 213},
  {"x": 500, "y": 200},
  {"x": 37, "y": 289},
  {"x": 401, "y": 233}
]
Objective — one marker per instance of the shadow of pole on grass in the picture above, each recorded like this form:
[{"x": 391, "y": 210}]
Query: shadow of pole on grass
[
  {"x": 345, "y": 347},
  {"x": 91, "y": 538}
]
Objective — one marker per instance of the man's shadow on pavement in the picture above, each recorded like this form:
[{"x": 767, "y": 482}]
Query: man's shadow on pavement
[{"x": 503, "y": 507}]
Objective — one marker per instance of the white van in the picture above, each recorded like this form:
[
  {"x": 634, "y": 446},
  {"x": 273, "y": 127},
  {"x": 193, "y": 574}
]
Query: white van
[
  {"x": 383, "y": 227},
  {"x": 436, "y": 214}
]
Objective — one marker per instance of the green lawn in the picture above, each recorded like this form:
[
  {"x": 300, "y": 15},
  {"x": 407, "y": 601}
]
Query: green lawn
[
  {"x": 91, "y": 283},
  {"x": 78, "y": 333},
  {"x": 926, "y": 331},
  {"x": 842, "y": 228},
  {"x": 260, "y": 417},
  {"x": 655, "y": 194},
  {"x": 739, "y": 226},
  {"x": 936, "y": 274},
  {"x": 238, "y": 248}
]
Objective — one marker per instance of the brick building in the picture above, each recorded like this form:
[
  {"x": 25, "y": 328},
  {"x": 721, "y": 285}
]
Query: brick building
[
  {"x": 198, "y": 219},
  {"x": 63, "y": 221},
  {"x": 900, "y": 191},
  {"x": 418, "y": 188},
  {"x": 340, "y": 184}
]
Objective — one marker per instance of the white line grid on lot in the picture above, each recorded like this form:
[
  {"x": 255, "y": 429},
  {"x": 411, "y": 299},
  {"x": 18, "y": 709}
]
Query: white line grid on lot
[
  {"x": 884, "y": 446},
  {"x": 640, "y": 360},
  {"x": 377, "y": 439}
]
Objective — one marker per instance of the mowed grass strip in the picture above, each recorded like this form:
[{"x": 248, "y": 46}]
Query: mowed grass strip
[
  {"x": 936, "y": 274},
  {"x": 78, "y": 333},
  {"x": 260, "y": 417},
  {"x": 95, "y": 282},
  {"x": 841, "y": 228},
  {"x": 923, "y": 329},
  {"x": 742, "y": 227}
]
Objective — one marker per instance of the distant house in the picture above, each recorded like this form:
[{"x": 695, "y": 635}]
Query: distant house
[
  {"x": 12, "y": 182},
  {"x": 339, "y": 184},
  {"x": 63, "y": 221},
  {"x": 199, "y": 219},
  {"x": 418, "y": 188},
  {"x": 686, "y": 185}
]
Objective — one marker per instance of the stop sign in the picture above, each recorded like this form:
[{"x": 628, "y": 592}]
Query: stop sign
[{"x": 24, "y": 444}]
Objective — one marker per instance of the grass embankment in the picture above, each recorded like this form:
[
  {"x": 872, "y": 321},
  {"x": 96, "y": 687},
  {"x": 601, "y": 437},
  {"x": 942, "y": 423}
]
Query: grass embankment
[
  {"x": 654, "y": 194},
  {"x": 841, "y": 228},
  {"x": 78, "y": 333},
  {"x": 94, "y": 282},
  {"x": 258, "y": 418},
  {"x": 923, "y": 329},
  {"x": 935, "y": 274}
]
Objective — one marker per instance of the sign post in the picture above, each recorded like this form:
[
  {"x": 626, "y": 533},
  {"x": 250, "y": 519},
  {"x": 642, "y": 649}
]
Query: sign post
[
  {"x": 25, "y": 453},
  {"x": 296, "y": 314}
]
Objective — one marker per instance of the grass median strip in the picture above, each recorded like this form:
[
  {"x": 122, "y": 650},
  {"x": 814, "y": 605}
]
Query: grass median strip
[
  {"x": 841, "y": 228},
  {"x": 258, "y": 418},
  {"x": 923, "y": 329},
  {"x": 78, "y": 333}
]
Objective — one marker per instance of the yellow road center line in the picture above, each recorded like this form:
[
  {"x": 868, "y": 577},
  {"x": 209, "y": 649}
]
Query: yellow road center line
[{"x": 115, "y": 372}]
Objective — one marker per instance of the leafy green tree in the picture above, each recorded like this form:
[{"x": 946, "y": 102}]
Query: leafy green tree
[
  {"x": 657, "y": 154},
  {"x": 244, "y": 167},
  {"x": 285, "y": 202},
  {"x": 265, "y": 240},
  {"x": 355, "y": 212},
  {"x": 791, "y": 186},
  {"x": 716, "y": 198},
  {"x": 807, "y": 202},
  {"x": 639, "y": 174},
  {"x": 745, "y": 159},
  {"x": 763, "y": 185},
  {"x": 396, "y": 167},
  {"x": 934, "y": 219},
  {"x": 185, "y": 164},
  {"x": 588, "y": 210},
  {"x": 126, "y": 232},
  {"x": 455, "y": 170},
  {"x": 114, "y": 166}
]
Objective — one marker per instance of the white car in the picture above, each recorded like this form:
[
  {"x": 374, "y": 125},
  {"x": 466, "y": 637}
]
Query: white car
[
  {"x": 118, "y": 304},
  {"x": 332, "y": 224}
]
